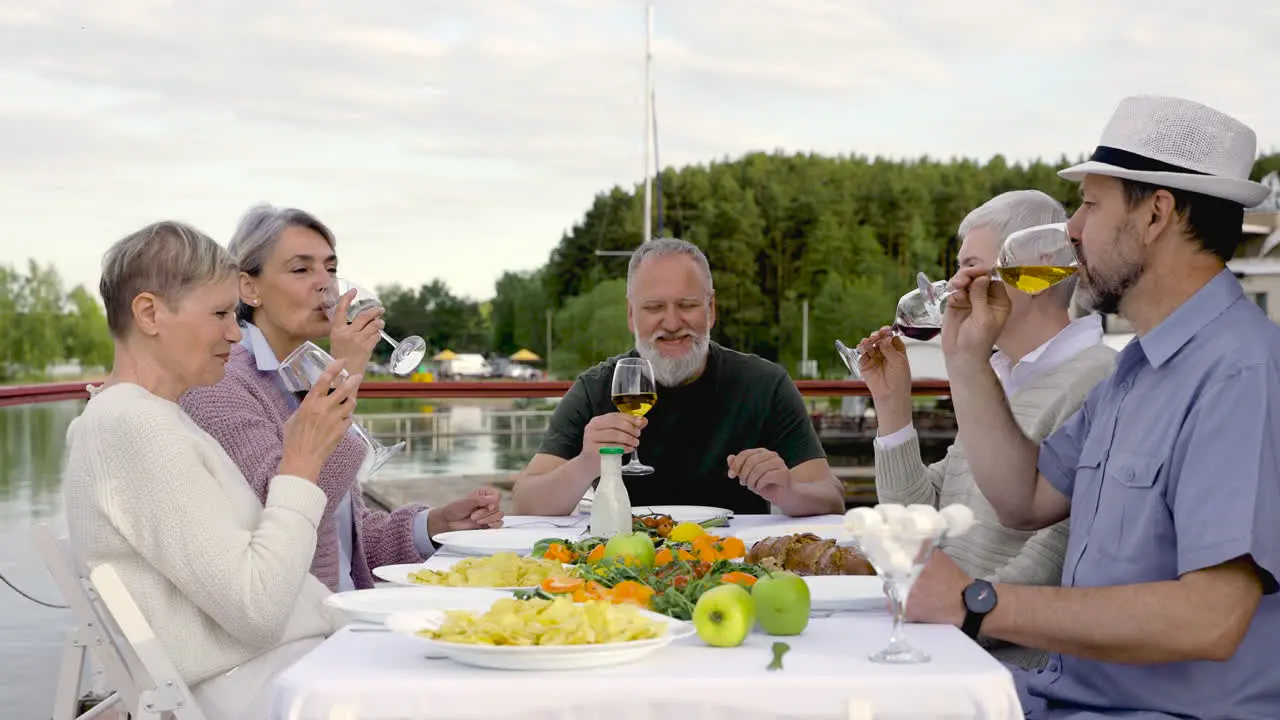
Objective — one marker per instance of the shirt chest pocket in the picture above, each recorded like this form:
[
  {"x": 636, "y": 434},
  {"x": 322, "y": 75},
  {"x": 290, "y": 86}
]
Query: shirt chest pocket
[{"x": 1133, "y": 522}]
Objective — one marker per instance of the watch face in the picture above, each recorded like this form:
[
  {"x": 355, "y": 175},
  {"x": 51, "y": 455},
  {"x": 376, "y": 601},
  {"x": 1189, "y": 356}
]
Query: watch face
[{"x": 980, "y": 597}]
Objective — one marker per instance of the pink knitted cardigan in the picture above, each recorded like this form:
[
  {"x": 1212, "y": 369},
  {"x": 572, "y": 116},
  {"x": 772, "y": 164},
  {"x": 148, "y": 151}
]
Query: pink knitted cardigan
[{"x": 245, "y": 413}]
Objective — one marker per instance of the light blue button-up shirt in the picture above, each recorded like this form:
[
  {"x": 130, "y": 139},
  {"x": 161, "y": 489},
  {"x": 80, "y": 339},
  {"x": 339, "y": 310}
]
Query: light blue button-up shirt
[
  {"x": 1172, "y": 466},
  {"x": 266, "y": 361}
]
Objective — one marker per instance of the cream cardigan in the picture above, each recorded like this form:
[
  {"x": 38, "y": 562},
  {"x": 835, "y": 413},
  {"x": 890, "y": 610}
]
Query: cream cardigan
[
  {"x": 220, "y": 578},
  {"x": 990, "y": 550}
]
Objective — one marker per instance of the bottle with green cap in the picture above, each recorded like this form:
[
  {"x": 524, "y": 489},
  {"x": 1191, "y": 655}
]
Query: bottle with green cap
[{"x": 611, "y": 508}]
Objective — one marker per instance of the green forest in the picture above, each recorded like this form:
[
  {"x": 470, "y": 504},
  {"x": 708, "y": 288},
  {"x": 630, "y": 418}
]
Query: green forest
[{"x": 847, "y": 234}]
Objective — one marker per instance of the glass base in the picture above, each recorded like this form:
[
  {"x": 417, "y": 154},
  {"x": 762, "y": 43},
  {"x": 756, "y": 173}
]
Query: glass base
[
  {"x": 899, "y": 654},
  {"x": 636, "y": 468},
  {"x": 408, "y": 355},
  {"x": 852, "y": 359},
  {"x": 384, "y": 454}
]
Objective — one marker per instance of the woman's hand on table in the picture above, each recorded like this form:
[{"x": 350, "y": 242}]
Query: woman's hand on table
[
  {"x": 475, "y": 511},
  {"x": 936, "y": 596}
]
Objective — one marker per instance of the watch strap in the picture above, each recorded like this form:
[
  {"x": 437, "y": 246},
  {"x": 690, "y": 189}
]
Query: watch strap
[{"x": 972, "y": 623}]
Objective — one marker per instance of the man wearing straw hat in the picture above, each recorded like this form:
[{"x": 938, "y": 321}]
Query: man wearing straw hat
[{"x": 1170, "y": 472}]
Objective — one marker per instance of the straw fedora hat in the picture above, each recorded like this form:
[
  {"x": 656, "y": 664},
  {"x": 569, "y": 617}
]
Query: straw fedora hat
[{"x": 1177, "y": 144}]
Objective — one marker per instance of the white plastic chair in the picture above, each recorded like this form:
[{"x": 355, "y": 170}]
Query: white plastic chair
[{"x": 111, "y": 629}]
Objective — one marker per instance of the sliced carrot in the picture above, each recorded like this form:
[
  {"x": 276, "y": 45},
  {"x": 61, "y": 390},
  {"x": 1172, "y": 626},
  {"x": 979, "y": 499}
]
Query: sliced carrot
[
  {"x": 686, "y": 555},
  {"x": 663, "y": 557},
  {"x": 557, "y": 551},
  {"x": 558, "y": 585},
  {"x": 596, "y": 554},
  {"x": 732, "y": 548},
  {"x": 740, "y": 578},
  {"x": 632, "y": 593}
]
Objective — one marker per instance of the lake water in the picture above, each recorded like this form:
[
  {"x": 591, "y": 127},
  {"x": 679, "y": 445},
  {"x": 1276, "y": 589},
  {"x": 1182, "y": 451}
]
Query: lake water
[{"x": 31, "y": 449}]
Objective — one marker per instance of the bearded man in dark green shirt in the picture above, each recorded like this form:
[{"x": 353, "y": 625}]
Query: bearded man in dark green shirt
[{"x": 728, "y": 430}]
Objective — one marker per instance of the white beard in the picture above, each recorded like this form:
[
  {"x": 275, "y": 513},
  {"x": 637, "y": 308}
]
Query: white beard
[{"x": 674, "y": 371}]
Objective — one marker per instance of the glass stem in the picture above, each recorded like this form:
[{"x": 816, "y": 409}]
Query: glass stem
[
  {"x": 898, "y": 637},
  {"x": 364, "y": 435},
  {"x": 387, "y": 337}
]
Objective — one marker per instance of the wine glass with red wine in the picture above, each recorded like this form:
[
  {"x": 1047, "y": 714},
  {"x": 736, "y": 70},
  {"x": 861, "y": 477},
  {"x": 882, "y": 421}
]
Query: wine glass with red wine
[
  {"x": 302, "y": 368},
  {"x": 917, "y": 317}
]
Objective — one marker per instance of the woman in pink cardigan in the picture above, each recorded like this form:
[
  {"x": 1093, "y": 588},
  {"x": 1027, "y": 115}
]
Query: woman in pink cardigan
[{"x": 287, "y": 260}]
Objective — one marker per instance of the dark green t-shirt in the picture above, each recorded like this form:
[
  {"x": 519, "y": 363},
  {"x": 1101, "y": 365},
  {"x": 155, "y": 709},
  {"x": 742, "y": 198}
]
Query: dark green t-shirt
[{"x": 738, "y": 403}]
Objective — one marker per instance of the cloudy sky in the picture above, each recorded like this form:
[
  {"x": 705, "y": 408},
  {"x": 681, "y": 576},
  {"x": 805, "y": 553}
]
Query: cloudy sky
[{"x": 457, "y": 139}]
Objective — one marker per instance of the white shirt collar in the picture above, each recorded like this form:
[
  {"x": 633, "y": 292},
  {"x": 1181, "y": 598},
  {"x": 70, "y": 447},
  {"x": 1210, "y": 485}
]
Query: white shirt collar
[
  {"x": 1079, "y": 335},
  {"x": 256, "y": 343}
]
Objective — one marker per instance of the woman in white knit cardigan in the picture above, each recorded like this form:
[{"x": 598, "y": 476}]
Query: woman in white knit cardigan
[{"x": 224, "y": 581}]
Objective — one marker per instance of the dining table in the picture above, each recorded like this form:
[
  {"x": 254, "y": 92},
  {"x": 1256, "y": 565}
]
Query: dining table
[{"x": 363, "y": 672}]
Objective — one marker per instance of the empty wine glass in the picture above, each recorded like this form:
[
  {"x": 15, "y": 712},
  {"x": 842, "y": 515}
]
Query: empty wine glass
[
  {"x": 1031, "y": 260},
  {"x": 898, "y": 556},
  {"x": 302, "y": 368},
  {"x": 634, "y": 393},
  {"x": 916, "y": 317},
  {"x": 406, "y": 354}
]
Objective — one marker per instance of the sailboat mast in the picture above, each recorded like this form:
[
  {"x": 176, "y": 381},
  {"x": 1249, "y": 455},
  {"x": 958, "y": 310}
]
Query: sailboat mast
[{"x": 648, "y": 123}]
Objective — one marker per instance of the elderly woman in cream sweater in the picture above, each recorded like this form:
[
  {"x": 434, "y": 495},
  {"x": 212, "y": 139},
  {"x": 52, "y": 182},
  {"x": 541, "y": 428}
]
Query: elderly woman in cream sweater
[{"x": 223, "y": 580}]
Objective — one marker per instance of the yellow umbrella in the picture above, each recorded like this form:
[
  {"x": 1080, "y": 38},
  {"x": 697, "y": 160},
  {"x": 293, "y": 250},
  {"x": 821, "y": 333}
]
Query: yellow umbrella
[
  {"x": 445, "y": 355},
  {"x": 525, "y": 355}
]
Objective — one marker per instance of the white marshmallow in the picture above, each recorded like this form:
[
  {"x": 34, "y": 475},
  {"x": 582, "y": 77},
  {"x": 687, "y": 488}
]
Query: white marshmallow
[
  {"x": 859, "y": 521},
  {"x": 889, "y": 511},
  {"x": 927, "y": 520},
  {"x": 959, "y": 518}
]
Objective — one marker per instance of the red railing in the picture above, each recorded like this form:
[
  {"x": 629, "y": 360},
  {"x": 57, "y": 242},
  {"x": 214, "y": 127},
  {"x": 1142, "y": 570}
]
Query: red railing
[{"x": 53, "y": 392}]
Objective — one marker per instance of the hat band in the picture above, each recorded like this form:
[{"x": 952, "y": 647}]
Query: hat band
[{"x": 1139, "y": 163}]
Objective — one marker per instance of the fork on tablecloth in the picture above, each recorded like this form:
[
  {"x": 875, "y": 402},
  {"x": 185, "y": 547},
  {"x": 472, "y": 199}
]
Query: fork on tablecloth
[{"x": 546, "y": 523}]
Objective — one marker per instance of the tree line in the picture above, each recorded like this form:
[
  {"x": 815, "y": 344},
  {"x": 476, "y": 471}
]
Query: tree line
[
  {"x": 844, "y": 234},
  {"x": 43, "y": 324}
]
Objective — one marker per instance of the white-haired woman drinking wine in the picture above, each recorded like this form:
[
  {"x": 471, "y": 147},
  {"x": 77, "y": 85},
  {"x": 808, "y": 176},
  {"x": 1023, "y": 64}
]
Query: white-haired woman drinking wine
[
  {"x": 223, "y": 580},
  {"x": 288, "y": 265}
]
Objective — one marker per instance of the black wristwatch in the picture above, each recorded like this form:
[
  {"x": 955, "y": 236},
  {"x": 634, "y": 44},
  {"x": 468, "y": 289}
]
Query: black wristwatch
[{"x": 979, "y": 600}]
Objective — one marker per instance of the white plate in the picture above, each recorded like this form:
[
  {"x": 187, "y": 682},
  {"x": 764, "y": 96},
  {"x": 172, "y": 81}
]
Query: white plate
[
  {"x": 753, "y": 535},
  {"x": 399, "y": 574},
  {"x": 375, "y": 605},
  {"x": 493, "y": 541},
  {"x": 845, "y": 592},
  {"x": 536, "y": 657},
  {"x": 683, "y": 513}
]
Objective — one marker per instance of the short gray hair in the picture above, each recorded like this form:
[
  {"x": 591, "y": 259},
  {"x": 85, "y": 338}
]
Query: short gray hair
[
  {"x": 1016, "y": 210},
  {"x": 662, "y": 247},
  {"x": 259, "y": 231},
  {"x": 167, "y": 259}
]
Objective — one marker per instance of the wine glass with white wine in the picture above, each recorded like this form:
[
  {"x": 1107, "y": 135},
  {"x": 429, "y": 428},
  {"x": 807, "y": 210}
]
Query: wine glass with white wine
[
  {"x": 406, "y": 354},
  {"x": 1031, "y": 260},
  {"x": 634, "y": 394},
  {"x": 302, "y": 368}
]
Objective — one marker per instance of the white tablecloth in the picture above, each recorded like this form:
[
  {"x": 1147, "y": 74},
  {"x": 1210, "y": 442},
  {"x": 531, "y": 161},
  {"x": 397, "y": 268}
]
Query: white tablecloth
[{"x": 381, "y": 676}]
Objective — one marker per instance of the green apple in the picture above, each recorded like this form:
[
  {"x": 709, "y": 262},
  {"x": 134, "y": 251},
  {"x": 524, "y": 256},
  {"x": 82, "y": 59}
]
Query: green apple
[
  {"x": 635, "y": 548},
  {"x": 782, "y": 603},
  {"x": 724, "y": 615}
]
